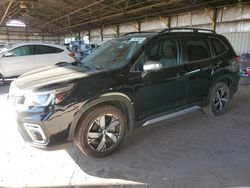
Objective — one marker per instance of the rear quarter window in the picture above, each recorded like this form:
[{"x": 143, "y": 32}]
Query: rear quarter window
[{"x": 218, "y": 46}]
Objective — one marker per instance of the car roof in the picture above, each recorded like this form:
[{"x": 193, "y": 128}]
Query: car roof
[
  {"x": 146, "y": 35},
  {"x": 37, "y": 43},
  {"x": 170, "y": 33}
]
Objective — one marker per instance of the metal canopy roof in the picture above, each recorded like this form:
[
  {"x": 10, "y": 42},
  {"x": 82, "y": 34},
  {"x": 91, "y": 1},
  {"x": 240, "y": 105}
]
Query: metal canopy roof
[{"x": 63, "y": 16}]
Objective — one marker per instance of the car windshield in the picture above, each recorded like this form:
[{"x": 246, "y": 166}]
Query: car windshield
[
  {"x": 6, "y": 47},
  {"x": 115, "y": 53},
  {"x": 9, "y": 45}
]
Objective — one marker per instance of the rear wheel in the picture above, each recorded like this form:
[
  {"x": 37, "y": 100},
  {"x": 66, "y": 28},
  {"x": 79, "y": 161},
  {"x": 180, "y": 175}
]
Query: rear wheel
[
  {"x": 218, "y": 99},
  {"x": 1, "y": 78},
  {"x": 100, "y": 131}
]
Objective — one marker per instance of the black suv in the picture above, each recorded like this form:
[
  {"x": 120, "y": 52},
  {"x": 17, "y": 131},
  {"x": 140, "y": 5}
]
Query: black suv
[{"x": 137, "y": 79}]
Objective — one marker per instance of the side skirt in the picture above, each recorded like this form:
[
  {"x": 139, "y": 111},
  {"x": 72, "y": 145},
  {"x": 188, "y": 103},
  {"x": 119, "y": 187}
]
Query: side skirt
[{"x": 169, "y": 115}]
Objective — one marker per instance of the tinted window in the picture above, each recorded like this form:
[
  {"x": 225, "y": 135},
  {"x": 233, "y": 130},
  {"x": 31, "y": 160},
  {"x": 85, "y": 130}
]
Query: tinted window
[
  {"x": 197, "y": 50},
  {"x": 153, "y": 52},
  {"x": 219, "y": 48},
  {"x": 115, "y": 53},
  {"x": 41, "y": 49},
  {"x": 22, "y": 51},
  {"x": 164, "y": 52}
]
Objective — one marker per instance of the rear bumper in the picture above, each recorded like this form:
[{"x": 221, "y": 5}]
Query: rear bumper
[{"x": 235, "y": 85}]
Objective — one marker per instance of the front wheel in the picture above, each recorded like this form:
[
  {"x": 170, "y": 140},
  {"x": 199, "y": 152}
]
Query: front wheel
[
  {"x": 218, "y": 99},
  {"x": 100, "y": 131}
]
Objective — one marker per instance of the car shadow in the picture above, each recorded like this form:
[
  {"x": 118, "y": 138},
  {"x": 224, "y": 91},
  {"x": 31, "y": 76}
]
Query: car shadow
[
  {"x": 191, "y": 150},
  {"x": 147, "y": 148}
]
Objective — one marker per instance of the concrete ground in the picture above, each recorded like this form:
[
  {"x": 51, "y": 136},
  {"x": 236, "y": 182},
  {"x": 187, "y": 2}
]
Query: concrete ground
[{"x": 191, "y": 151}]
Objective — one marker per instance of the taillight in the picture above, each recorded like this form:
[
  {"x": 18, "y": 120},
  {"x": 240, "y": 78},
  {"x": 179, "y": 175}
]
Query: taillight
[
  {"x": 72, "y": 55},
  {"x": 248, "y": 71},
  {"x": 237, "y": 59}
]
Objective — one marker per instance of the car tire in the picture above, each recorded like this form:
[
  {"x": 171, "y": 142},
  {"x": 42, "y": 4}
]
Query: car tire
[
  {"x": 218, "y": 99},
  {"x": 1, "y": 78},
  {"x": 60, "y": 64},
  {"x": 100, "y": 131}
]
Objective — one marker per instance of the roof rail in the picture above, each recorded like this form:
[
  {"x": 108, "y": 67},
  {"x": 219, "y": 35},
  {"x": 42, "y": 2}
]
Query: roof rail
[
  {"x": 195, "y": 30},
  {"x": 131, "y": 33}
]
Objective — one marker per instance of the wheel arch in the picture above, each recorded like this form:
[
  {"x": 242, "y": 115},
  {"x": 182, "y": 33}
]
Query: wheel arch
[
  {"x": 226, "y": 78},
  {"x": 1, "y": 72},
  {"x": 116, "y": 99}
]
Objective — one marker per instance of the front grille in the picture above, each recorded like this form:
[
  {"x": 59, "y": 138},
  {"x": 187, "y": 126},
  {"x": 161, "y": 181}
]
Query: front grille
[
  {"x": 15, "y": 95},
  {"x": 36, "y": 133},
  {"x": 14, "y": 100}
]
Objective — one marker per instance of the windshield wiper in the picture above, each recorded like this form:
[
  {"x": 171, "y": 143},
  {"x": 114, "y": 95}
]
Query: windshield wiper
[
  {"x": 98, "y": 67},
  {"x": 90, "y": 67}
]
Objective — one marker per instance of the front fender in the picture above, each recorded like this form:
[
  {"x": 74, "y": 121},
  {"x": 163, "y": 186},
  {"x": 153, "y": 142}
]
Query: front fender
[{"x": 115, "y": 96}]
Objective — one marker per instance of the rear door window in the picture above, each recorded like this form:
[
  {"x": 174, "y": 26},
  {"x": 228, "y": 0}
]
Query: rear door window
[
  {"x": 218, "y": 46},
  {"x": 42, "y": 49},
  {"x": 196, "y": 49}
]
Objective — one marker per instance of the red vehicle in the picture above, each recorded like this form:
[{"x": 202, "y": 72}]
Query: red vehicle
[{"x": 245, "y": 65}]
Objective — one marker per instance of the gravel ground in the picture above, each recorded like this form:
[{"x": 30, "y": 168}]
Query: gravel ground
[{"x": 191, "y": 151}]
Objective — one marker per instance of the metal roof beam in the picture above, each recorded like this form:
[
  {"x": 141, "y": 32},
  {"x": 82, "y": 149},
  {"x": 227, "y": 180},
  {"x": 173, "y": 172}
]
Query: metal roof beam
[
  {"x": 73, "y": 12},
  {"x": 122, "y": 13},
  {"x": 6, "y": 12}
]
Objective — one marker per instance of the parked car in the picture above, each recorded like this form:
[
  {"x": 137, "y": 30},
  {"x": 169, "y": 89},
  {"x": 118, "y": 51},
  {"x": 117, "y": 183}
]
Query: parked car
[
  {"x": 6, "y": 46},
  {"x": 20, "y": 58},
  {"x": 1, "y": 46},
  {"x": 245, "y": 65},
  {"x": 137, "y": 79}
]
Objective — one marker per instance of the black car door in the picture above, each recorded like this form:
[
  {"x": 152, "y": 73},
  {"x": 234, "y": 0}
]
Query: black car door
[
  {"x": 163, "y": 89},
  {"x": 198, "y": 66}
]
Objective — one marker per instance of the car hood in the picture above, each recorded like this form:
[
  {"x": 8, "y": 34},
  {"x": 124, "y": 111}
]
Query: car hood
[
  {"x": 1, "y": 53},
  {"x": 3, "y": 50},
  {"x": 51, "y": 75}
]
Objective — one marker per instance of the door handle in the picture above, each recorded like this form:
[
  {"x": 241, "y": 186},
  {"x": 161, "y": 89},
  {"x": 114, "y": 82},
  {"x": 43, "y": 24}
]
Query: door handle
[{"x": 193, "y": 71}]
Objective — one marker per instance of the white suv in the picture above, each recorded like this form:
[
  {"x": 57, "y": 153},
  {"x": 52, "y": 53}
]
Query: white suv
[{"x": 23, "y": 57}]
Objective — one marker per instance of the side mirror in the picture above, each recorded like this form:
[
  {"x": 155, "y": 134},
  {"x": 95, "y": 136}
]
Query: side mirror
[
  {"x": 152, "y": 66},
  {"x": 8, "y": 54}
]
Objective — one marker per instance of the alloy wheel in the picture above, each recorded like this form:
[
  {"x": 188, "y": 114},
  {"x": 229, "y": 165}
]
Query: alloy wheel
[
  {"x": 220, "y": 99},
  {"x": 104, "y": 132}
]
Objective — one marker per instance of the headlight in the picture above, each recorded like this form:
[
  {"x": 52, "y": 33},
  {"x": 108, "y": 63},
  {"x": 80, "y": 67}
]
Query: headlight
[
  {"x": 37, "y": 99},
  {"x": 44, "y": 98}
]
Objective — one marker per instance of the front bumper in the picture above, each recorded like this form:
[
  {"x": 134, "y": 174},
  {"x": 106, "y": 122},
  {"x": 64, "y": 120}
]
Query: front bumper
[
  {"x": 46, "y": 127},
  {"x": 27, "y": 138}
]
